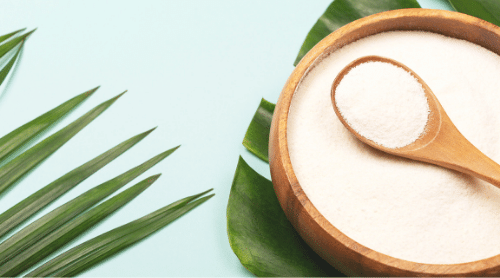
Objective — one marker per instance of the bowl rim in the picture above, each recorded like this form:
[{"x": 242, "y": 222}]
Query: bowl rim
[{"x": 297, "y": 206}]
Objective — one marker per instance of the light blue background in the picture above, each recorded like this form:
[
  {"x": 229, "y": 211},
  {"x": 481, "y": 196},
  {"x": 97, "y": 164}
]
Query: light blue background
[{"x": 195, "y": 69}]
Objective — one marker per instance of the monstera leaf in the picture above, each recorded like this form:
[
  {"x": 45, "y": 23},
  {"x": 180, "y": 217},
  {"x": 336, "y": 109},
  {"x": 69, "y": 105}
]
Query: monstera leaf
[
  {"x": 488, "y": 10},
  {"x": 341, "y": 12}
]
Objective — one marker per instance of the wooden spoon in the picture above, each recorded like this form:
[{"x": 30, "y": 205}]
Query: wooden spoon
[{"x": 441, "y": 144}]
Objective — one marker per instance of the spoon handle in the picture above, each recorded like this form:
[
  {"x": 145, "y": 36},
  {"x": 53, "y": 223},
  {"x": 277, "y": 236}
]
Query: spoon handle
[{"x": 452, "y": 150}]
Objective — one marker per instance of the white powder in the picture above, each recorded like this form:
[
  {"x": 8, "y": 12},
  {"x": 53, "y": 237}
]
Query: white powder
[
  {"x": 406, "y": 209},
  {"x": 383, "y": 103}
]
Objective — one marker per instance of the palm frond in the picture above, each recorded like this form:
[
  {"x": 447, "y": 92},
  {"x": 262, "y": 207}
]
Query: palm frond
[
  {"x": 7, "y": 47},
  {"x": 7, "y": 36},
  {"x": 56, "y": 218},
  {"x": 19, "y": 166},
  {"x": 32, "y": 204},
  {"x": 16, "y": 139},
  {"x": 5, "y": 70},
  {"x": 70, "y": 230},
  {"x": 12, "y": 43},
  {"x": 53, "y": 230},
  {"x": 93, "y": 251}
]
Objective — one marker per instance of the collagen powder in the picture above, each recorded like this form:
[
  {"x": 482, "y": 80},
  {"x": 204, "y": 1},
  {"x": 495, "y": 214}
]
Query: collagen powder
[
  {"x": 403, "y": 208},
  {"x": 383, "y": 103}
]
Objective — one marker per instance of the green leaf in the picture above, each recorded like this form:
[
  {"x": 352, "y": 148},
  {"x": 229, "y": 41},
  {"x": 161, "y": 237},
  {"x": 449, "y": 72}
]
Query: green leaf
[
  {"x": 260, "y": 234},
  {"x": 38, "y": 200},
  {"x": 5, "y": 71},
  {"x": 257, "y": 137},
  {"x": 13, "y": 141},
  {"x": 101, "y": 247},
  {"x": 488, "y": 10},
  {"x": 264, "y": 248},
  {"x": 11, "y": 44},
  {"x": 56, "y": 218},
  {"x": 19, "y": 166},
  {"x": 6, "y": 36},
  {"x": 126, "y": 241},
  {"x": 71, "y": 230},
  {"x": 341, "y": 12}
]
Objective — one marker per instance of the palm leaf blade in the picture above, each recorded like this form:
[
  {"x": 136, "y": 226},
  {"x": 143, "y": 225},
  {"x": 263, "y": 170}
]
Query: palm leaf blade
[
  {"x": 26, "y": 208},
  {"x": 9, "y": 45},
  {"x": 6, "y": 36},
  {"x": 72, "y": 229},
  {"x": 17, "y": 138},
  {"x": 99, "y": 248},
  {"x": 56, "y": 218},
  {"x": 5, "y": 71},
  {"x": 19, "y": 166}
]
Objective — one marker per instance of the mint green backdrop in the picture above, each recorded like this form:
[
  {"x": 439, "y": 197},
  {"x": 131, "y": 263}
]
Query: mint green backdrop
[{"x": 195, "y": 69}]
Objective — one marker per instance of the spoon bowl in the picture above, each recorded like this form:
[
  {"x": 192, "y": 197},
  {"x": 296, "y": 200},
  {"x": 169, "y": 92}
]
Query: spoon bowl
[{"x": 441, "y": 143}]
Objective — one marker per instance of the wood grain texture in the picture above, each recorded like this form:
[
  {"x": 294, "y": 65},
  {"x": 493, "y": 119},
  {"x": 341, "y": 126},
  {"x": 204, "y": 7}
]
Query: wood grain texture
[{"x": 335, "y": 247}]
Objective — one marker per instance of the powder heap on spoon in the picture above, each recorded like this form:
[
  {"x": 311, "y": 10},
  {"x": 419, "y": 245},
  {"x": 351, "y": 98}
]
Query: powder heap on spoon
[{"x": 383, "y": 103}]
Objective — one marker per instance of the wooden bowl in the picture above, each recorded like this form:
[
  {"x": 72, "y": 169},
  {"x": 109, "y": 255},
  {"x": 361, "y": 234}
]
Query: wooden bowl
[{"x": 335, "y": 247}]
